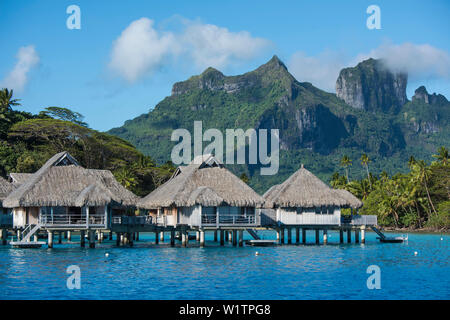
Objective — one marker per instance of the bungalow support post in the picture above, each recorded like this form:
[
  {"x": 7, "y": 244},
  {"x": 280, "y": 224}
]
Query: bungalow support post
[
  {"x": 172, "y": 238},
  {"x": 202, "y": 238},
  {"x": 363, "y": 234},
  {"x": 222, "y": 237},
  {"x": 82, "y": 239},
  {"x": 241, "y": 238},
  {"x": 50, "y": 239}
]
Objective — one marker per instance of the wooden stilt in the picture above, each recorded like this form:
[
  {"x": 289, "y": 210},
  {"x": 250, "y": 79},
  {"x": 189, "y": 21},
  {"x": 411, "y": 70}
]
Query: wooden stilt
[
  {"x": 289, "y": 230},
  {"x": 282, "y": 236},
  {"x": 317, "y": 236},
  {"x": 172, "y": 238},
  {"x": 363, "y": 234},
  {"x": 4, "y": 236},
  {"x": 341, "y": 236},
  {"x": 184, "y": 238},
  {"x": 50, "y": 239},
  {"x": 241, "y": 238},
  {"x": 349, "y": 236},
  {"x": 215, "y": 235},
  {"x": 234, "y": 237},
  {"x": 297, "y": 235},
  {"x": 82, "y": 239},
  {"x": 222, "y": 237},
  {"x": 91, "y": 239},
  {"x": 202, "y": 238},
  {"x": 303, "y": 235},
  {"x": 325, "y": 236},
  {"x": 130, "y": 239},
  {"x": 356, "y": 235},
  {"x": 156, "y": 237}
]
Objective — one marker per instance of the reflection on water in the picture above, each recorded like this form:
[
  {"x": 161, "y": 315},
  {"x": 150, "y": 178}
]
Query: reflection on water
[{"x": 147, "y": 271}]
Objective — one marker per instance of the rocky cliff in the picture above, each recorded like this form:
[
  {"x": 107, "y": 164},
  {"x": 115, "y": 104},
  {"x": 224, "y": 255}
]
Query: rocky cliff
[{"x": 372, "y": 87}]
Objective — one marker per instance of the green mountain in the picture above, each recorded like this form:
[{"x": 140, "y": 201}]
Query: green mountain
[{"x": 370, "y": 114}]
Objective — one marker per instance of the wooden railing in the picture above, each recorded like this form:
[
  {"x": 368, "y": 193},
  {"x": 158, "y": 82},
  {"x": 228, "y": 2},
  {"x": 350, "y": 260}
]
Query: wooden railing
[
  {"x": 229, "y": 220},
  {"x": 53, "y": 220},
  {"x": 359, "y": 220},
  {"x": 134, "y": 220}
]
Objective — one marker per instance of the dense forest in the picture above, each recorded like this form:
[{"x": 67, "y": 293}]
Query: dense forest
[
  {"x": 27, "y": 141},
  {"x": 419, "y": 198}
]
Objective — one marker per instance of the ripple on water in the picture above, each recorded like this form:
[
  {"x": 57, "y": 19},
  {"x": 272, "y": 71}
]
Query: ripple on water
[{"x": 287, "y": 272}]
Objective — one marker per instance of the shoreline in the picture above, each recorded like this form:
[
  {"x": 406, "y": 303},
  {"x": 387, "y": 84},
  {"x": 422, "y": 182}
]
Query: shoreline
[{"x": 410, "y": 230}]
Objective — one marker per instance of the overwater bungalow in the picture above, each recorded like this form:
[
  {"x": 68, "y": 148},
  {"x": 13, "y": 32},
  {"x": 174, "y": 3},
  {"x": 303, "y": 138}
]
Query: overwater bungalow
[
  {"x": 204, "y": 195},
  {"x": 62, "y": 195},
  {"x": 304, "y": 201},
  {"x": 5, "y": 217}
]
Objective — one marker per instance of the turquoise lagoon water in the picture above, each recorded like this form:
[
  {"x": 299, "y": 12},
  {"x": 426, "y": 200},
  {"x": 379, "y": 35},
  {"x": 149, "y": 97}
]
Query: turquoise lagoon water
[{"x": 149, "y": 271}]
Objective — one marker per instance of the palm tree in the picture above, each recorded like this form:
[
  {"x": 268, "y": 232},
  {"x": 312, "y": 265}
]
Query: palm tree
[
  {"x": 420, "y": 174},
  {"x": 442, "y": 155},
  {"x": 6, "y": 100},
  {"x": 411, "y": 161},
  {"x": 126, "y": 178},
  {"x": 346, "y": 162},
  {"x": 365, "y": 162}
]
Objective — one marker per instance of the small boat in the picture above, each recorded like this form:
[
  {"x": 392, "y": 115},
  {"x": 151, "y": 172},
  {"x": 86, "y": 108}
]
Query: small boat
[
  {"x": 262, "y": 243},
  {"x": 27, "y": 244},
  {"x": 393, "y": 239}
]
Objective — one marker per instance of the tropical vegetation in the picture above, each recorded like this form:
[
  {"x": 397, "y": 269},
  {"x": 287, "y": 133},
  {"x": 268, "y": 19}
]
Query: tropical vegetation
[
  {"x": 419, "y": 198},
  {"x": 27, "y": 141}
]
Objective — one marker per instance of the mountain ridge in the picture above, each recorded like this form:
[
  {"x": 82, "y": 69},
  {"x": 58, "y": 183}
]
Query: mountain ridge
[{"x": 315, "y": 126}]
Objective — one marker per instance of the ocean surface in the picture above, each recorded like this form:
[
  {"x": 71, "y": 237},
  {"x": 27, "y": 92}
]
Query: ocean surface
[{"x": 148, "y": 271}]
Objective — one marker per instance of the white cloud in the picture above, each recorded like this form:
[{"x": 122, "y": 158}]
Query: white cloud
[
  {"x": 213, "y": 46},
  {"x": 141, "y": 49},
  {"x": 419, "y": 61},
  {"x": 27, "y": 58}
]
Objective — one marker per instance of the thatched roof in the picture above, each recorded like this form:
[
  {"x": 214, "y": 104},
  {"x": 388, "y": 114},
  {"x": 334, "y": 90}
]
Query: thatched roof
[
  {"x": 61, "y": 181},
  {"x": 353, "y": 201},
  {"x": 206, "y": 182},
  {"x": 303, "y": 189},
  {"x": 18, "y": 178},
  {"x": 5, "y": 189}
]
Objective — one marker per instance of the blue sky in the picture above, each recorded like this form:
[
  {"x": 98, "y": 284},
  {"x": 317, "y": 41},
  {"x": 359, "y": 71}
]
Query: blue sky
[{"x": 127, "y": 54}]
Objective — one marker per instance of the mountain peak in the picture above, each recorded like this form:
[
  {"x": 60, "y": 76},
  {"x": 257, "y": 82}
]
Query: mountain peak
[
  {"x": 211, "y": 71},
  {"x": 371, "y": 86},
  {"x": 421, "y": 94},
  {"x": 275, "y": 62}
]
